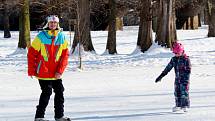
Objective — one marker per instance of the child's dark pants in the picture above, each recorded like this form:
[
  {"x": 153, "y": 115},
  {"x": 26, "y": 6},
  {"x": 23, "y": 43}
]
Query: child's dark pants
[{"x": 182, "y": 95}]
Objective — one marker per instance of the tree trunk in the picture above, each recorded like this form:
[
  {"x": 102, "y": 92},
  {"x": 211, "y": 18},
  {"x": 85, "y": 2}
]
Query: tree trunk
[
  {"x": 161, "y": 29},
  {"x": 111, "y": 40},
  {"x": 24, "y": 26},
  {"x": 22, "y": 43},
  {"x": 6, "y": 20},
  {"x": 144, "y": 40},
  {"x": 82, "y": 29},
  {"x": 192, "y": 23},
  {"x": 211, "y": 31},
  {"x": 154, "y": 24},
  {"x": 119, "y": 23},
  {"x": 199, "y": 20},
  {"x": 166, "y": 33},
  {"x": 206, "y": 16},
  {"x": 155, "y": 14}
]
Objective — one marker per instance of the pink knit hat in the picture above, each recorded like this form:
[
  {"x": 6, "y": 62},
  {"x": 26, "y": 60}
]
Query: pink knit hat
[{"x": 178, "y": 48}]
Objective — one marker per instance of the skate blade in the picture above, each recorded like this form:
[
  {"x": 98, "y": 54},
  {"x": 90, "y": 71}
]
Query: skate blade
[{"x": 179, "y": 112}]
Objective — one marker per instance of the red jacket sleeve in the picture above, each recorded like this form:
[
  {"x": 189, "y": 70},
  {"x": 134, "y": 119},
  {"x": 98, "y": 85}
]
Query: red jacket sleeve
[{"x": 32, "y": 61}]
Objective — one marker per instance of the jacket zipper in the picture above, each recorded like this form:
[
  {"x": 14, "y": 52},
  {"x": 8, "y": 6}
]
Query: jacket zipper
[{"x": 38, "y": 68}]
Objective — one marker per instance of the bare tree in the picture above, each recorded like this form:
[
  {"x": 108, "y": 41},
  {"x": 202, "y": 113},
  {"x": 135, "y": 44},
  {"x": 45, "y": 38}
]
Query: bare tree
[
  {"x": 24, "y": 27},
  {"x": 211, "y": 13},
  {"x": 111, "y": 40},
  {"x": 6, "y": 6},
  {"x": 100, "y": 12},
  {"x": 166, "y": 33},
  {"x": 83, "y": 11},
  {"x": 145, "y": 28},
  {"x": 6, "y": 20},
  {"x": 187, "y": 12}
]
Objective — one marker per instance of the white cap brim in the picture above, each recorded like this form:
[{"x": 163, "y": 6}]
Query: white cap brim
[{"x": 53, "y": 18}]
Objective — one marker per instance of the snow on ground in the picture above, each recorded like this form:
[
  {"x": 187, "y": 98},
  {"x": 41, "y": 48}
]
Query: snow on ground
[{"x": 113, "y": 87}]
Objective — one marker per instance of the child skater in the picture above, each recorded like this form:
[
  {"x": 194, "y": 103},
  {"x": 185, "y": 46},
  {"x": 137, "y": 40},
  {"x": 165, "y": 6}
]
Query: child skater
[{"x": 182, "y": 67}]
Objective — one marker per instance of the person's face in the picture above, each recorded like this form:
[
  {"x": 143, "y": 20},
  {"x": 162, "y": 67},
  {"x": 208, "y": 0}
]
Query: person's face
[
  {"x": 53, "y": 25},
  {"x": 178, "y": 54}
]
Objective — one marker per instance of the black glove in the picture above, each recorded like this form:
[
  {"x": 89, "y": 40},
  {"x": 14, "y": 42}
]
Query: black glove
[{"x": 158, "y": 79}]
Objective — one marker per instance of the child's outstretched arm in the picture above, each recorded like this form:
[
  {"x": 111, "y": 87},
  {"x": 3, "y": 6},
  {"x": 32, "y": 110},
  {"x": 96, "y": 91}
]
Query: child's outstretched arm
[
  {"x": 165, "y": 71},
  {"x": 158, "y": 79}
]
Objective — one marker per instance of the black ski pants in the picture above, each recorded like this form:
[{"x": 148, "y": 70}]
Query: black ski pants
[{"x": 46, "y": 87}]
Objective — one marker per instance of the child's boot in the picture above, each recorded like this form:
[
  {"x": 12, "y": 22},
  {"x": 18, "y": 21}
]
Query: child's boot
[
  {"x": 185, "y": 109},
  {"x": 176, "y": 109},
  {"x": 40, "y": 119},
  {"x": 63, "y": 119}
]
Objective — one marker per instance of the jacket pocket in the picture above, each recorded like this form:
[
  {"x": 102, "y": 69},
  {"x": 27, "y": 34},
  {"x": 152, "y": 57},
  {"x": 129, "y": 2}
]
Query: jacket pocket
[{"x": 42, "y": 69}]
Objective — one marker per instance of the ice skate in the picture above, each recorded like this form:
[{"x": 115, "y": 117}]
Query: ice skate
[
  {"x": 63, "y": 119},
  {"x": 40, "y": 119},
  {"x": 185, "y": 109},
  {"x": 176, "y": 109}
]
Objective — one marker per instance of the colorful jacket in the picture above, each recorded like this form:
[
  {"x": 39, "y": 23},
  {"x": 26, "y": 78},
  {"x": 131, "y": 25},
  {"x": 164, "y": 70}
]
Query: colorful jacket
[
  {"x": 48, "y": 55},
  {"x": 182, "y": 67}
]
